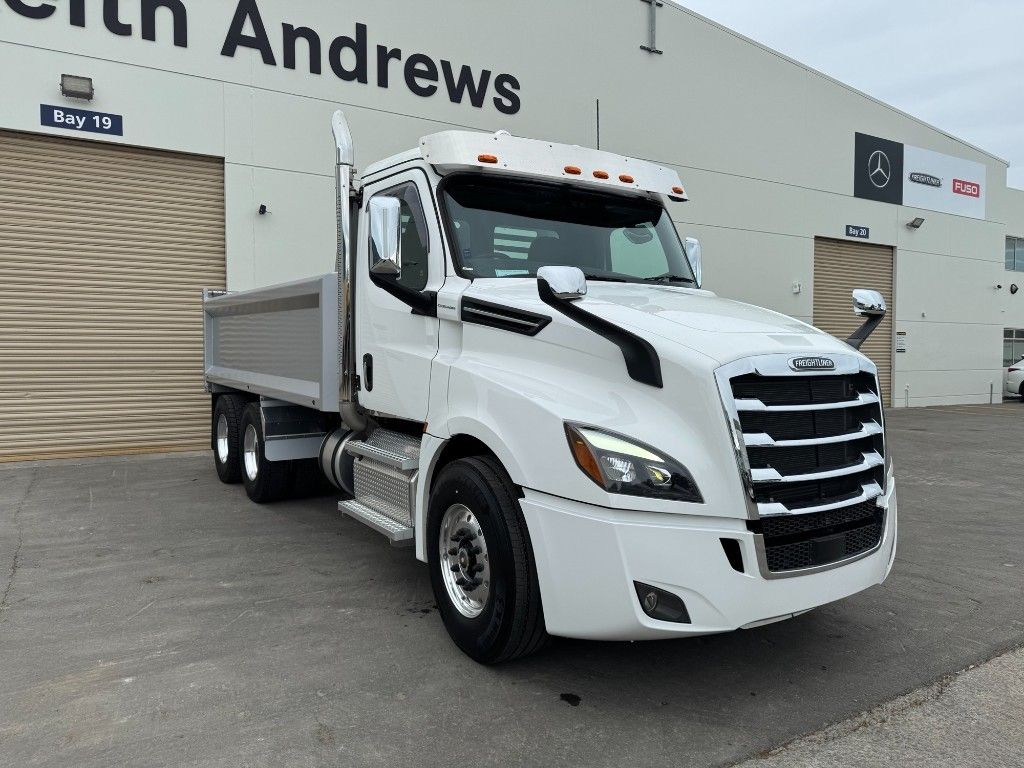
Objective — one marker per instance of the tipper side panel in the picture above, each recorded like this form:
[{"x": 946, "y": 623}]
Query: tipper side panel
[{"x": 280, "y": 342}]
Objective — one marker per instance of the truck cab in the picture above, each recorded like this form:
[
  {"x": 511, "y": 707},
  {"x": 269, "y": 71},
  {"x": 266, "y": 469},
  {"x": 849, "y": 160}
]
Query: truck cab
[{"x": 516, "y": 371}]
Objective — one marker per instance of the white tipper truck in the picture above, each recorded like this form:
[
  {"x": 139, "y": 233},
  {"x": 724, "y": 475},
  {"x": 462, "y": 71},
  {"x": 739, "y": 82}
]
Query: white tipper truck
[{"x": 515, "y": 371}]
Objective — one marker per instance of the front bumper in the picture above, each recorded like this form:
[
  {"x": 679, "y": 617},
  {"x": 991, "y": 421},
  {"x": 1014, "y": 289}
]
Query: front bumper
[{"x": 589, "y": 557}]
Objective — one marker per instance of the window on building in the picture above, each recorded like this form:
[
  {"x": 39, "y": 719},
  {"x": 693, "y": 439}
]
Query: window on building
[
  {"x": 1013, "y": 346},
  {"x": 1015, "y": 254}
]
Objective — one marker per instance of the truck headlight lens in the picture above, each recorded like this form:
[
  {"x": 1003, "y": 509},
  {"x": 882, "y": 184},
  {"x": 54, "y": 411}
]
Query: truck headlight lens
[{"x": 623, "y": 466}]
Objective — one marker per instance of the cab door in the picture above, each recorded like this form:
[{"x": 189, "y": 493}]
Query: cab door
[{"x": 395, "y": 344}]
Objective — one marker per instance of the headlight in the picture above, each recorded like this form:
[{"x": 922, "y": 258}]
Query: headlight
[{"x": 622, "y": 466}]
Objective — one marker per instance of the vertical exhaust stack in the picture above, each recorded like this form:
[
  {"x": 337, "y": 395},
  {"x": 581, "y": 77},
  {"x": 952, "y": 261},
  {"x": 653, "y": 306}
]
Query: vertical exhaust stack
[{"x": 350, "y": 414}]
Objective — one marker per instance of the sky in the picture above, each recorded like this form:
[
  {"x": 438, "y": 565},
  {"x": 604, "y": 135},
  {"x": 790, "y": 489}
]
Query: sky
[{"x": 957, "y": 65}]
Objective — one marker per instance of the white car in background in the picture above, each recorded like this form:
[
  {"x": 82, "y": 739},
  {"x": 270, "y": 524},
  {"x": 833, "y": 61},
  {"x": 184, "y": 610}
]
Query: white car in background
[{"x": 1015, "y": 379}]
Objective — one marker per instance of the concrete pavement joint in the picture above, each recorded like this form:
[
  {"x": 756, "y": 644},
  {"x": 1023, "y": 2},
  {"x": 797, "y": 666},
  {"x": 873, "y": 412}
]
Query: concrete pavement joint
[{"x": 16, "y": 560}]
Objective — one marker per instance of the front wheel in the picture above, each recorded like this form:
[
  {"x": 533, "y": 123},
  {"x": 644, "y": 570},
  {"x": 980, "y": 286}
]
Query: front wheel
[{"x": 481, "y": 563}]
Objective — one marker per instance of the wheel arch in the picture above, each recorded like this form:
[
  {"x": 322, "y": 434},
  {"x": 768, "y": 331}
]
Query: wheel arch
[{"x": 438, "y": 453}]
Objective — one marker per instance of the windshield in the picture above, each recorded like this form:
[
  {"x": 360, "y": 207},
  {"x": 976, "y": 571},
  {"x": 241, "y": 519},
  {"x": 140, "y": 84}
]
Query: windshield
[{"x": 510, "y": 228}]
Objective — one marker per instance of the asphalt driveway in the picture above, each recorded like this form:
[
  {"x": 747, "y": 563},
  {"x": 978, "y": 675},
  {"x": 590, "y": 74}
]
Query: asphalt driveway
[{"x": 152, "y": 616}]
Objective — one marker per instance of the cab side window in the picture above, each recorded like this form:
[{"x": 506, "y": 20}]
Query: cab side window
[{"x": 414, "y": 244}]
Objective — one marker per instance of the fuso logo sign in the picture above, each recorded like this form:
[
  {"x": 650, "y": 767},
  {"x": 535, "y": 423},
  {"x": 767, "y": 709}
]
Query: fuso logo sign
[{"x": 969, "y": 188}]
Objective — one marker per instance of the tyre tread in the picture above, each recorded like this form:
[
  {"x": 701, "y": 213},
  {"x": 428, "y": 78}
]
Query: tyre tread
[
  {"x": 274, "y": 478},
  {"x": 528, "y": 634},
  {"x": 232, "y": 406}
]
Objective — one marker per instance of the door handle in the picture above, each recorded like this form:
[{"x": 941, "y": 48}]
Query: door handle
[{"x": 368, "y": 372}]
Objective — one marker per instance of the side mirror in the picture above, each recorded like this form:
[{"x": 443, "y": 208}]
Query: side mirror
[
  {"x": 868, "y": 303},
  {"x": 386, "y": 235},
  {"x": 696, "y": 259},
  {"x": 567, "y": 283},
  {"x": 871, "y": 305}
]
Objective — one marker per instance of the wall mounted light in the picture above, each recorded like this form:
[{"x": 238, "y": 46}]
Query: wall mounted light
[
  {"x": 916, "y": 223},
  {"x": 75, "y": 87}
]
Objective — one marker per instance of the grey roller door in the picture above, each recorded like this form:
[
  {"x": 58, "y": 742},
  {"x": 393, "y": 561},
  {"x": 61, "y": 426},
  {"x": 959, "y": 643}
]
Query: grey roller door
[
  {"x": 104, "y": 250},
  {"x": 839, "y": 268}
]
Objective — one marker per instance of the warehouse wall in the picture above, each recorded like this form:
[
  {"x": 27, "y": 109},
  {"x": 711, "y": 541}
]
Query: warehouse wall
[{"x": 764, "y": 145}]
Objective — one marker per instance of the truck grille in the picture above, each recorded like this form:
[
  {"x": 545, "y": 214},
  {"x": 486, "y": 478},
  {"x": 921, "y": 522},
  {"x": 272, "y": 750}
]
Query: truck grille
[
  {"x": 814, "y": 458},
  {"x": 795, "y": 542}
]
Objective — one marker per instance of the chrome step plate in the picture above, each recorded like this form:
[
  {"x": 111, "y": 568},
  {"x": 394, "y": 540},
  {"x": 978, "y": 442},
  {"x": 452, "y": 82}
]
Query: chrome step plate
[
  {"x": 397, "y": 533},
  {"x": 392, "y": 449}
]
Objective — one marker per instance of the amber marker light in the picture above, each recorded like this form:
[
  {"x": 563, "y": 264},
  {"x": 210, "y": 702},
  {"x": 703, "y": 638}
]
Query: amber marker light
[
  {"x": 492, "y": 159},
  {"x": 600, "y": 174},
  {"x": 626, "y": 179},
  {"x": 679, "y": 191},
  {"x": 584, "y": 456},
  {"x": 572, "y": 170}
]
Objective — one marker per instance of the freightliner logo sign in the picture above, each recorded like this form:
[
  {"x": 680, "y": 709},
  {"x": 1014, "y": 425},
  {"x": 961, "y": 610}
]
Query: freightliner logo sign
[
  {"x": 890, "y": 172},
  {"x": 812, "y": 364}
]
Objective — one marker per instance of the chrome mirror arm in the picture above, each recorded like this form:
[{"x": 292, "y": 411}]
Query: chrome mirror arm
[{"x": 869, "y": 304}]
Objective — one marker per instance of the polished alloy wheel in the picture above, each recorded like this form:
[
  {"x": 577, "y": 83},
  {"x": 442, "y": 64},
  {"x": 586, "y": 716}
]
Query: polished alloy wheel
[
  {"x": 465, "y": 568},
  {"x": 251, "y": 452},
  {"x": 222, "y": 439}
]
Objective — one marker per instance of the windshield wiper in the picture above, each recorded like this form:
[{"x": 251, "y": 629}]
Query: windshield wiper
[
  {"x": 607, "y": 279},
  {"x": 670, "y": 279}
]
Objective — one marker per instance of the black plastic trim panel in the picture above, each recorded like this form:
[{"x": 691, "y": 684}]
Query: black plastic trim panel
[
  {"x": 504, "y": 318},
  {"x": 641, "y": 357}
]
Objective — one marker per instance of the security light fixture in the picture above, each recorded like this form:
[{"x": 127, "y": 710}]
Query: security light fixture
[
  {"x": 75, "y": 87},
  {"x": 916, "y": 223}
]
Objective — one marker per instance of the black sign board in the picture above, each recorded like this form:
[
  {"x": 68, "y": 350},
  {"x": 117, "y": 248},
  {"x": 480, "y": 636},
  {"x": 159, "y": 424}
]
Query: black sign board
[
  {"x": 878, "y": 170},
  {"x": 81, "y": 120},
  {"x": 854, "y": 231}
]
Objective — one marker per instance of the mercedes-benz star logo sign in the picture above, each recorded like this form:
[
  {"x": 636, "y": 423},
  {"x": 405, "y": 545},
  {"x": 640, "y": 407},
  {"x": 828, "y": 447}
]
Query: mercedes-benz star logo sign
[{"x": 879, "y": 169}]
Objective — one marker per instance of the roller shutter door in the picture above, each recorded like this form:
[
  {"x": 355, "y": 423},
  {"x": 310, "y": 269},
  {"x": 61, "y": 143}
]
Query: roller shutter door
[
  {"x": 104, "y": 252},
  {"x": 839, "y": 268}
]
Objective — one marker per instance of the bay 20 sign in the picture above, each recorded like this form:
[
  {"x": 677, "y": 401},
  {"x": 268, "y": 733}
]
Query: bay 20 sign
[{"x": 891, "y": 172}]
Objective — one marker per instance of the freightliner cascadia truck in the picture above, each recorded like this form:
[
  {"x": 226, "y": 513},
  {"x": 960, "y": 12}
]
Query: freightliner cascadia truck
[{"x": 515, "y": 371}]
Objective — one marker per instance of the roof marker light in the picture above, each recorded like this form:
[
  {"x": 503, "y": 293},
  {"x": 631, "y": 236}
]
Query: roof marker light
[
  {"x": 572, "y": 170},
  {"x": 600, "y": 174},
  {"x": 626, "y": 179},
  {"x": 679, "y": 191},
  {"x": 492, "y": 159}
]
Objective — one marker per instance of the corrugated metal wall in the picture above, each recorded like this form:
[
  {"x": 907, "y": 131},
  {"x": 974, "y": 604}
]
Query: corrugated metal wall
[
  {"x": 839, "y": 268},
  {"x": 104, "y": 251}
]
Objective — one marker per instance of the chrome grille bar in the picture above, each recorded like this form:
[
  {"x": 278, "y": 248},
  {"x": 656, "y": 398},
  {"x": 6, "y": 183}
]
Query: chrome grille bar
[
  {"x": 870, "y": 461},
  {"x": 869, "y": 492},
  {"x": 756, "y": 406},
  {"x": 761, "y": 440}
]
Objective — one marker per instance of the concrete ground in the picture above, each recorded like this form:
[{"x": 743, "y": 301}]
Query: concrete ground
[
  {"x": 151, "y": 616},
  {"x": 972, "y": 719}
]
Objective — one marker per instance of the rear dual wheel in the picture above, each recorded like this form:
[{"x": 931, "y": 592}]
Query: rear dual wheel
[
  {"x": 265, "y": 481},
  {"x": 227, "y": 421}
]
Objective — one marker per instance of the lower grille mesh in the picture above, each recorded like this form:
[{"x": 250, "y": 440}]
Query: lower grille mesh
[{"x": 808, "y": 541}]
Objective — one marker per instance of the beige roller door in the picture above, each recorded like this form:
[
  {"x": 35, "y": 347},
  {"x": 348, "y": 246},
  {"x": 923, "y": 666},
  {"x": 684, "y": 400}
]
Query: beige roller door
[
  {"x": 104, "y": 252},
  {"x": 839, "y": 268}
]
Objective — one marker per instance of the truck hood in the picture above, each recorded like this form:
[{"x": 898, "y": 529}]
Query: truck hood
[{"x": 721, "y": 329}]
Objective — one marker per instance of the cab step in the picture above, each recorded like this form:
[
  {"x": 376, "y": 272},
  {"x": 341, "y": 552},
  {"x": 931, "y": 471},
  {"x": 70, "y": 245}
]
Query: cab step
[
  {"x": 397, "y": 533},
  {"x": 392, "y": 449}
]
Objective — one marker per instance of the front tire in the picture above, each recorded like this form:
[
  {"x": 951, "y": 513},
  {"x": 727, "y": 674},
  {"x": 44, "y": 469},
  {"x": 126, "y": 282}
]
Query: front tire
[
  {"x": 481, "y": 563},
  {"x": 227, "y": 443},
  {"x": 265, "y": 481}
]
